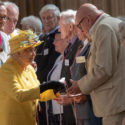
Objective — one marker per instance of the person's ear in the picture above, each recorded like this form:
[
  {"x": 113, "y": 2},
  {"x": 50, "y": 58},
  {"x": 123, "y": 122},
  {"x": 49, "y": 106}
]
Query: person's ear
[
  {"x": 89, "y": 21},
  {"x": 71, "y": 27}
]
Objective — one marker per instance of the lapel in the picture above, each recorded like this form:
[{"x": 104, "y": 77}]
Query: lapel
[
  {"x": 74, "y": 47},
  {"x": 85, "y": 50}
]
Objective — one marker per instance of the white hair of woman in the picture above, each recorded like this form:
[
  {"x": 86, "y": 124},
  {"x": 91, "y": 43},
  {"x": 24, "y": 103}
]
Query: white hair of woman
[
  {"x": 8, "y": 3},
  {"x": 34, "y": 22},
  {"x": 51, "y": 7},
  {"x": 68, "y": 16}
]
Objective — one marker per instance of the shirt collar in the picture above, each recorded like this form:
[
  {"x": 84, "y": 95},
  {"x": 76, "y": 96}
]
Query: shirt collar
[
  {"x": 57, "y": 27},
  {"x": 97, "y": 21},
  {"x": 84, "y": 44}
]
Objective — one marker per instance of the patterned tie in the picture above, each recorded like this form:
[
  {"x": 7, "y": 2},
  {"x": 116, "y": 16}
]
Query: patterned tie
[
  {"x": 77, "y": 54},
  {"x": 67, "y": 49}
]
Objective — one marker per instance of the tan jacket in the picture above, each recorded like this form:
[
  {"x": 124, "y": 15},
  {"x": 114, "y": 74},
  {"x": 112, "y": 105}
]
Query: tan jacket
[{"x": 105, "y": 81}]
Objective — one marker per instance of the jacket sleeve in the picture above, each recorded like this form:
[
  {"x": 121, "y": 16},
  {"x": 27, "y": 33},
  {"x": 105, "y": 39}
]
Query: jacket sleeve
[{"x": 11, "y": 86}]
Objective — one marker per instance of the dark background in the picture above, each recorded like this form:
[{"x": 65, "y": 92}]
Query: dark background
[{"x": 28, "y": 7}]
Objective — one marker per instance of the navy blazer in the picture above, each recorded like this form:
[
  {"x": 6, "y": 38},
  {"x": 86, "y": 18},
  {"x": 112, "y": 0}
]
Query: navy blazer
[
  {"x": 78, "y": 69},
  {"x": 46, "y": 56}
]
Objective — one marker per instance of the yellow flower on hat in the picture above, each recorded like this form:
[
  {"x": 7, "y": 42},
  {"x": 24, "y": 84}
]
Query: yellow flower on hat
[{"x": 23, "y": 40}]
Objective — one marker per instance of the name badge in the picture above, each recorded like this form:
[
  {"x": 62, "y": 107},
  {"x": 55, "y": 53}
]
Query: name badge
[
  {"x": 46, "y": 52},
  {"x": 66, "y": 62},
  {"x": 80, "y": 59}
]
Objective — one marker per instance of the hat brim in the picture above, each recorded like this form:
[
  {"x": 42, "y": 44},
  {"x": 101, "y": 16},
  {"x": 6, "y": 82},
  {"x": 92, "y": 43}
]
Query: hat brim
[{"x": 35, "y": 44}]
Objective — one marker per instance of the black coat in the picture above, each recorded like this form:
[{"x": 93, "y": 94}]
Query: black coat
[
  {"x": 70, "y": 56},
  {"x": 68, "y": 110},
  {"x": 45, "y": 56}
]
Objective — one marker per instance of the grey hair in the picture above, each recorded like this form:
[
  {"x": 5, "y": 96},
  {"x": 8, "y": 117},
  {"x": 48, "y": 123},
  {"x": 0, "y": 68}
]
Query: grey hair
[
  {"x": 51, "y": 7},
  {"x": 68, "y": 16},
  {"x": 34, "y": 22},
  {"x": 122, "y": 18},
  {"x": 8, "y": 3},
  {"x": 122, "y": 30}
]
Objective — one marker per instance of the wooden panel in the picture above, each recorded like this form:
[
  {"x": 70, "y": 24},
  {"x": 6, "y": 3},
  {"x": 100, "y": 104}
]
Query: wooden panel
[
  {"x": 28, "y": 7},
  {"x": 113, "y": 7}
]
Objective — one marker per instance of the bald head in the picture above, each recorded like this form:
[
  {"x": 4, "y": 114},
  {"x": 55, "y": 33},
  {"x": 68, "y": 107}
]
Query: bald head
[{"x": 85, "y": 10}]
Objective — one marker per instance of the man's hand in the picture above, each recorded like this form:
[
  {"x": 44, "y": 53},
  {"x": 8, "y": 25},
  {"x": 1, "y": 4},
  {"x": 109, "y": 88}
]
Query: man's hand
[
  {"x": 64, "y": 100},
  {"x": 74, "y": 89},
  {"x": 81, "y": 98}
]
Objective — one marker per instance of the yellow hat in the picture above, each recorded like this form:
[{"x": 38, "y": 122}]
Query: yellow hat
[{"x": 23, "y": 40}]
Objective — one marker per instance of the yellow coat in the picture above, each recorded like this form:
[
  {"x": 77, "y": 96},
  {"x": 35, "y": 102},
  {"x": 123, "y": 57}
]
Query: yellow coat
[{"x": 17, "y": 99}]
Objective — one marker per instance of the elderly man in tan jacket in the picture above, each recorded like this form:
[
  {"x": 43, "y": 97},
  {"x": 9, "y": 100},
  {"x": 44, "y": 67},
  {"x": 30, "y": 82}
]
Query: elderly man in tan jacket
[{"x": 105, "y": 81}]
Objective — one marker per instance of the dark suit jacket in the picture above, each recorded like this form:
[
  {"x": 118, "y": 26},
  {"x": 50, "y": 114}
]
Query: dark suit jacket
[
  {"x": 84, "y": 109},
  {"x": 78, "y": 71},
  {"x": 68, "y": 111},
  {"x": 70, "y": 57},
  {"x": 45, "y": 56}
]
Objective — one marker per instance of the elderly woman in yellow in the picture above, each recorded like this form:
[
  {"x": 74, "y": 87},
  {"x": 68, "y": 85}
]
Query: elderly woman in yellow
[{"x": 19, "y": 87}]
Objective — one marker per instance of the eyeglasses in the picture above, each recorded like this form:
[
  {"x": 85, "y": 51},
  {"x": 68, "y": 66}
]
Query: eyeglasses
[
  {"x": 3, "y": 17},
  {"x": 78, "y": 25}
]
